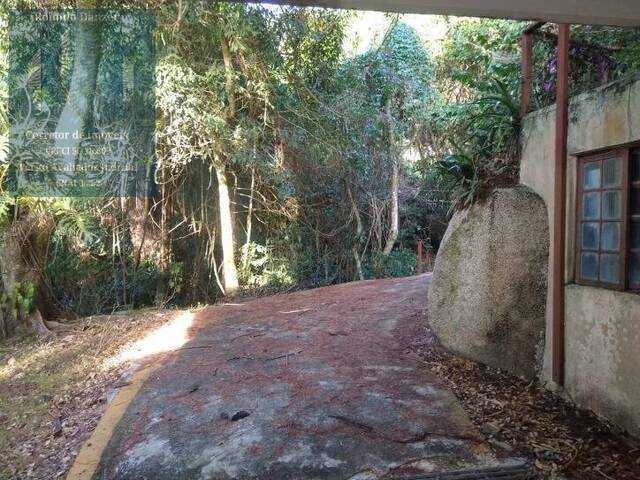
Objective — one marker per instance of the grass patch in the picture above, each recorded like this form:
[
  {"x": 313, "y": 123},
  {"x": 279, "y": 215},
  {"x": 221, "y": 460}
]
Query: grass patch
[{"x": 52, "y": 393}]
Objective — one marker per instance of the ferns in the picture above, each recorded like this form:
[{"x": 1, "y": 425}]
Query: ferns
[
  {"x": 75, "y": 221},
  {"x": 459, "y": 174},
  {"x": 489, "y": 156}
]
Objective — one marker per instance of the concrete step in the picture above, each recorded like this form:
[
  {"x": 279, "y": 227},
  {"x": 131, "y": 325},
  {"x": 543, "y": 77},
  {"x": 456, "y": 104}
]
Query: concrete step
[{"x": 508, "y": 472}]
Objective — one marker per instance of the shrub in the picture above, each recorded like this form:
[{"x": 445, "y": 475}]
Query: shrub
[{"x": 399, "y": 263}]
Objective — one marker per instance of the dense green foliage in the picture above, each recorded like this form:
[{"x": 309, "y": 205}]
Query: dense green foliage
[
  {"x": 472, "y": 138},
  {"x": 285, "y": 163}
]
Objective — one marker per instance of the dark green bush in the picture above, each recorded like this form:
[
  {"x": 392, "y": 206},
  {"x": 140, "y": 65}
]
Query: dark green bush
[{"x": 399, "y": 263}]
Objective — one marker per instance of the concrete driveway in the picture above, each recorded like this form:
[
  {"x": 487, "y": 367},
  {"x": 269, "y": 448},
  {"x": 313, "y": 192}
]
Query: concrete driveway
[{"x": 310, "y": 385}]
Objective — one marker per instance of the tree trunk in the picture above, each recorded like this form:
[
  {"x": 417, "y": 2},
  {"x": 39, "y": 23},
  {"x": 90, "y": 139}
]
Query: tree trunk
[
  {"x": 78, "y": 107},
  {"x": 395, "y": 184},
  {"x": 145, "y": 237},
  {"x": 25, "y": 251},
  {"x": 326, "y": 265},
  {"x": 359, "y": 232},
  {"x": 229, "y": 80},
  {"x": 230, "y": 273},
  {"x": 165, "y": 207},
  {"x": 226, "y": 231},
  {"x": 38, "y": 325},
  {"x": 245, "y": 250},
  {"x": 7, "y": 316},
  {"x": 356, "y": 256}
]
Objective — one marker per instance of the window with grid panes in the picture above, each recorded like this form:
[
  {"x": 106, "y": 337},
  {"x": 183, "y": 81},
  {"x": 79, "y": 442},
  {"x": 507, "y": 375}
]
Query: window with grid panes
[
  {"x": 634, "y": 222},
  {"x": 608, "y": 220}
]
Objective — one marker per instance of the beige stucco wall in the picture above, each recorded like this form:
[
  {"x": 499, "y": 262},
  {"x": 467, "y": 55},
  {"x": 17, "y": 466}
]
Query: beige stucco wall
[{"x": 602, "y": 326}]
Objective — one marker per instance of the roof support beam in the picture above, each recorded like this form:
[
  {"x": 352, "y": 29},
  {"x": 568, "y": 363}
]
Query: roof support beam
[
  {"x": 594, "y": 12},
  {"x": 559, "y": 206}
]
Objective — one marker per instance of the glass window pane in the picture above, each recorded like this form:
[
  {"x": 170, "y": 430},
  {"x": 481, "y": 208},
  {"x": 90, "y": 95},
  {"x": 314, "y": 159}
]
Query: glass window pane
[
  {"x": 612, "y": 172},
  {"x": 635, "y": 165},
  {"x": 591, "y": 236},
  {"x": 591, "y": 206},
  {"x": 589, "y": 266},
  {"x": 611, "y": 205},
  {"x": 611, "y": 236},
  {"x": 609, "y": 268},
  {"x": 635, "y": 201},
  {"x": 591, "y": 175},
  {"x": 634, "y": 268},
  {"x": 635, "y": 235}
]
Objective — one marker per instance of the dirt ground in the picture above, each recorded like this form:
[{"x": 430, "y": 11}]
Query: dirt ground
[
  {"x": 52, "y": 394},
  {"x": 523, "y": 418}
]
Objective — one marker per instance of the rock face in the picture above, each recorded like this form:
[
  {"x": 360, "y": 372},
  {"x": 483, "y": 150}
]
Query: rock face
[{"x": 489, "y": 288}]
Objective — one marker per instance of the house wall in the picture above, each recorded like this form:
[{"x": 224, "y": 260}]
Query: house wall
[{"x": 602, "y": 326}]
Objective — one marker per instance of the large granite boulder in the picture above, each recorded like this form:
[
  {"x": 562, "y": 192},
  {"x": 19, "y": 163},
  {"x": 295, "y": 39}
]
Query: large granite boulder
[{"x": 489, "y": 287}]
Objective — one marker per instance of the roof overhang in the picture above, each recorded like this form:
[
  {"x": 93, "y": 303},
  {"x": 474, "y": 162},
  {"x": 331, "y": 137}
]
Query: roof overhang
[{"x": 594, "y": 12}]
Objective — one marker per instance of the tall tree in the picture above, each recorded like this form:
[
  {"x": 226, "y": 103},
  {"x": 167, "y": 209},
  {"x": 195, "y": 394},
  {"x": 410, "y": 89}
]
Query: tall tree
[
  {"x": 388, "y": 92},
  {"x": 227, "y": 227}
]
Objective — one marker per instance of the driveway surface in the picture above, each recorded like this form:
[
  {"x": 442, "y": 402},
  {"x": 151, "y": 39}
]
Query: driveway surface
[{"x": 316, "y": 384}]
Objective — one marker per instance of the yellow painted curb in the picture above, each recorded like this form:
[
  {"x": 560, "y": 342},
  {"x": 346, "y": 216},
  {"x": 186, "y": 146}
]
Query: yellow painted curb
[{"x": 89, "y": 457}]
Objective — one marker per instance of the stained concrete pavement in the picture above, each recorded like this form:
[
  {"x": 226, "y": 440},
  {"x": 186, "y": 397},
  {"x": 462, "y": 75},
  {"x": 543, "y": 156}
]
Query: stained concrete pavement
[{"x": 316, "y": 384}]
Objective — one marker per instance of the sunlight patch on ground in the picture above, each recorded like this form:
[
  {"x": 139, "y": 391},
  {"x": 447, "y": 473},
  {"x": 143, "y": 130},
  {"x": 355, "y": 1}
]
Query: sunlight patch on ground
[
  {"x": 168, "y": 337},
  {"x": 71, "y": 372},
  {"x": 32, "y": 361}
]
